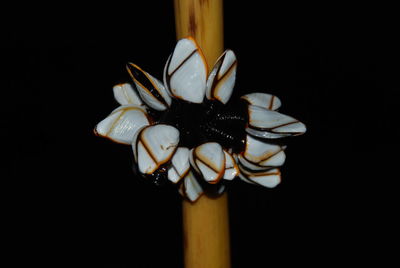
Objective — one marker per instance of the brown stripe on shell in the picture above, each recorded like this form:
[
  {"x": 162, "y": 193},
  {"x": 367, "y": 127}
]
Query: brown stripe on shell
[
  {"x": 156, "y": 92},
  {"x": 180, "y": 64},
  {"x": 218, "y": 78},
  {"x": 148, "y": 152},
  {"x": 167, "y": 159},
  {"x": 235, "y": 166},
  {"x": 168, "y": 75},
  {"x": 115, "y": 123},
  {"x": 146, "y": 147},
  {"x": 258, "y": 174},
  {"x": 183, "y": 190},
  {"x": 118, "y": 119},
  {"x": 271, "y": 102},
  {"x": 236, "y": 169},
  {"x": 276, "y": 132},
  {"x": 268, "y": 106},
  {"x": 179, "y": 175},
  {"x": 264, "y": 159},
  {"x": 219, "y": 173}
]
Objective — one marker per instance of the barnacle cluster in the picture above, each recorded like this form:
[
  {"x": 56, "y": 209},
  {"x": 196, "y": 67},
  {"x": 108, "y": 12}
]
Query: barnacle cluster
[{"x": 186, "y": 130}]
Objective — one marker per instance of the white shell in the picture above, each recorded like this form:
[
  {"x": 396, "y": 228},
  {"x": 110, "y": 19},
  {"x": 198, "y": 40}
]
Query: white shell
[
  {"x": 151, "y": 90},
  {"x": 270, "y": 178},
  {"x": 221, "y": 80},
  {"x": 185, "y": 72},
  {"x": 123, "y": 123},
  {"x": 190, "y": 187},
  {"x": 263, "y": 154},
  {"x": 249, "y": 165},
  {"x": 209, "y": 160},
  {"x": 179, "y": 165},
  {"x": 264, "y": 100},
  {"x": 265, "y": 123},
  {"x": 134, "y": 143},
  {"x": 155, "y": 145},
  {"x": 231, "y": 168},
  {"x": 243, "y": 178},
  {"x": 124, "y": 94}
]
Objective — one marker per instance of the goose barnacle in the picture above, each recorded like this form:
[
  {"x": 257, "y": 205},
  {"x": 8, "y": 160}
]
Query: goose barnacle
[{"x": 188, "y": 131}]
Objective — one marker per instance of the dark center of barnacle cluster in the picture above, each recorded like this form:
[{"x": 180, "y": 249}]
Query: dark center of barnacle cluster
[{"x": 210, "y": 121}]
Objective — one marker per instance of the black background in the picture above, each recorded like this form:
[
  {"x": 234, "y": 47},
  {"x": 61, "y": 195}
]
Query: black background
[{"x": 74, "y": 194}]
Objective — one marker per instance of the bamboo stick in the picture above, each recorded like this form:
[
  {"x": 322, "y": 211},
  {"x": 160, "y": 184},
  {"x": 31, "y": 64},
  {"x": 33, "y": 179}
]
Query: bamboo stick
[
  {"x": 205, "y": 222},
  {"x": 206, "y": 233},
  {"x": 203, "y": 20}
]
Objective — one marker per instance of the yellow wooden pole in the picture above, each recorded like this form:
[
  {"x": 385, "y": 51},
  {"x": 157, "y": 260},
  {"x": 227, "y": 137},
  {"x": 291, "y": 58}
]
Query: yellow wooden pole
[
  {"x": 205, "y": 222},
  {"x": 203, "y": 20},
  {"x": 206, "y": 233}
]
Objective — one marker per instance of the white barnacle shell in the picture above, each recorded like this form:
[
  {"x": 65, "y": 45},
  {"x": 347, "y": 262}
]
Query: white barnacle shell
[
  {"x": 185, "y": 73},
  {"x": 222, "y": 78},
  {"x": 263, "y": 100},
  {"x": 180, "y": 165},
  {"x": 265, "y": 123},
  {"x": 269, "y": 178},
  {"x": 259, "y": 154},
  {"x": 123, "y": 123},
  {"x": 151, "y": 90},
  {"x": 124, "y": 94},
  {"x": 231, "y": 168},
  {"x": 208, "y": 159},
  {"x": 190, "y": 188},
  {"x": 154, "y": 146}
]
